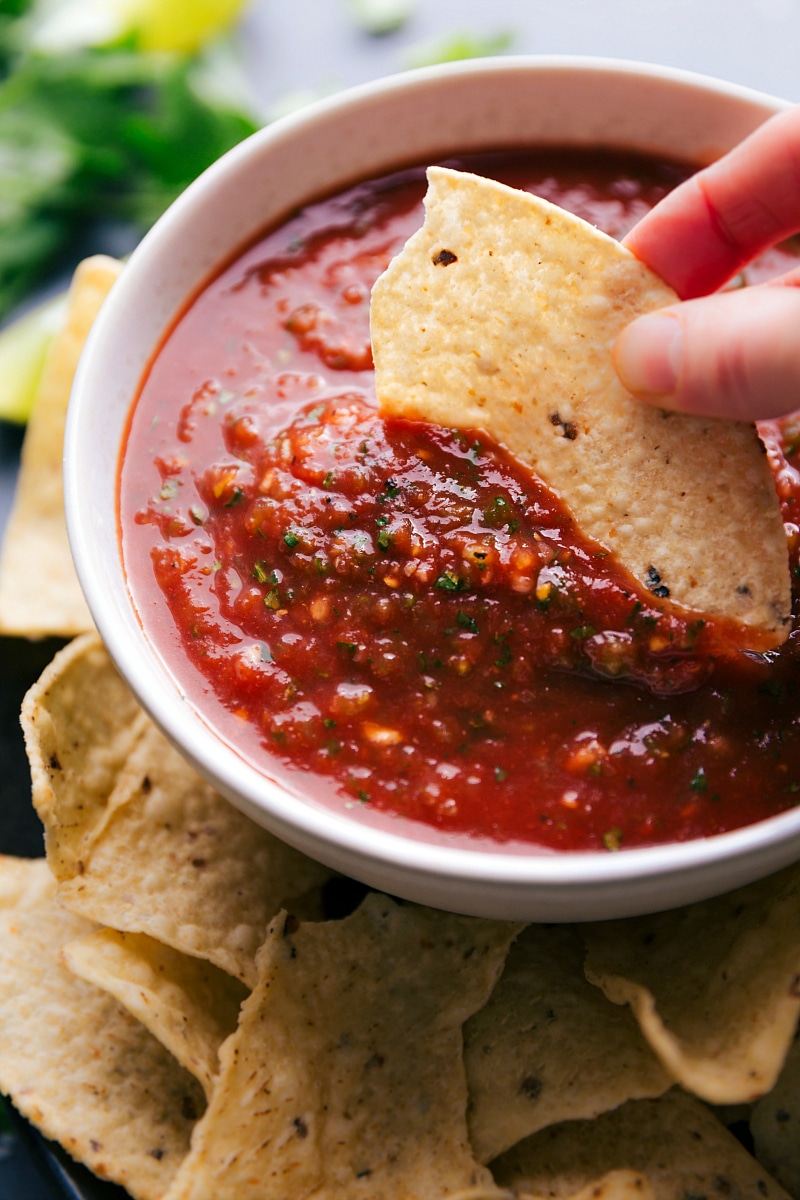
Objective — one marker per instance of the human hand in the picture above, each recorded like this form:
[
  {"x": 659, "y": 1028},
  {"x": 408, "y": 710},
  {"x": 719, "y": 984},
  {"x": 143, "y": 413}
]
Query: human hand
[{"x": 732, "y": 354}]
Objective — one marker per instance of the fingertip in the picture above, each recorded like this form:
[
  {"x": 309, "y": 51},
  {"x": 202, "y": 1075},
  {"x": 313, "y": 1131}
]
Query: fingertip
[{"x": 647, "y": 355}]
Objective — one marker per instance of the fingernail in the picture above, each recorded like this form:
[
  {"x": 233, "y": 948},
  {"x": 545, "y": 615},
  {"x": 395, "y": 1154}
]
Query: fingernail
[{"x": 647, "y": 354}]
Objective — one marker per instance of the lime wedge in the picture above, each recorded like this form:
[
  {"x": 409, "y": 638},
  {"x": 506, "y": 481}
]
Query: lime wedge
[
  {"x": 23, "y": 349},
  {"x": 166, "y": 25},
  {"x": 183, "y": 25}
]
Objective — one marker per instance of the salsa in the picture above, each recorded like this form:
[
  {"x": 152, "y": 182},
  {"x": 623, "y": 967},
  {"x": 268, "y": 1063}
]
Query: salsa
[{"x": 398, "y": 618}]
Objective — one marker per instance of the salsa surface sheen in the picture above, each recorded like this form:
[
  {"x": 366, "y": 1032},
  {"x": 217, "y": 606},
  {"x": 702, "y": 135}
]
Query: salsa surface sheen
[{"x": 400, "y": 612}]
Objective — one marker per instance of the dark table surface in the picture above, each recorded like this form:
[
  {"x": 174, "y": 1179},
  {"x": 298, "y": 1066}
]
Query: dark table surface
[{"x": 298, "y": 51}]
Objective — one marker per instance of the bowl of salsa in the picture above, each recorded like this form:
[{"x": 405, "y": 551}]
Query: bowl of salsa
[{"x": 385, "y": 639}]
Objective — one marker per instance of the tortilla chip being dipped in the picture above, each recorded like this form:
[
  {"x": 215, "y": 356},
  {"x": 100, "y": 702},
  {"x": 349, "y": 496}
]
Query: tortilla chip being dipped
[{"x": 500, "y": 314}]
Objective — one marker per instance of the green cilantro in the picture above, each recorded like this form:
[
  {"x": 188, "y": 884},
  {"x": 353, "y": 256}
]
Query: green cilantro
[
  {"x": 699, "y": 781},
  {"x": 458, "y": 46},
  {"x": 380, "y": 17},
  {"x": 497, "y": 513},
  {"x": 581, "y": 632},
  {"x": 612, "y": 839},
  {"x": 466, "y": 621},
  {"x": 448, "y": 581},
  {"x": 390, "y": 492},
  {"x": 290, "y": 539},
  {"x": 96, "y": 134},
  {"x": 272, "y": 600},
  {"x": 505, "y": 650}
]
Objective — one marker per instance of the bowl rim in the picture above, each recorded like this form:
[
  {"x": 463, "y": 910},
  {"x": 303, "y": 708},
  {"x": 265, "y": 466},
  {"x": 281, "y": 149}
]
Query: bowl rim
[{"x": 307, "y": 825}]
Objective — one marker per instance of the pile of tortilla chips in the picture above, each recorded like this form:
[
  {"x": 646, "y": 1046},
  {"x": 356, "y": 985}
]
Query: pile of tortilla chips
[{"x": 189, "y": 1008}]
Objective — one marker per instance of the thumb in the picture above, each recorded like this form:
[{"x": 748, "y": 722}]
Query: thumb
[{"x": 733, "y": 354}]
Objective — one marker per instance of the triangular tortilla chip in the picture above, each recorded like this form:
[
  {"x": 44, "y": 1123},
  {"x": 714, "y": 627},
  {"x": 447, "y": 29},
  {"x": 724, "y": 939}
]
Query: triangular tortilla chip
[
  {"x": 675, "y": 1142},
  {"x": 775, "y": 1125},
  {"x": 187, "y": 1003},
  {"x": 500, "y": 314},
  {"x": 345, "y": 1077},
  {"x": 715, "y": 986},
  {"x": 80, "y": 721},
  {"x": 548, "y": 1047},
  {"x": 75, "y": 1063},
  {"x": 139, "y": 841},
  {"x": 39, "y": 590}
]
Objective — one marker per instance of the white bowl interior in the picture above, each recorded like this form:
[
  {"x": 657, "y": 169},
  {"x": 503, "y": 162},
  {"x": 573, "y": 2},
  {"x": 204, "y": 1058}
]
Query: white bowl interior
[{"x": 372, "y": 129}]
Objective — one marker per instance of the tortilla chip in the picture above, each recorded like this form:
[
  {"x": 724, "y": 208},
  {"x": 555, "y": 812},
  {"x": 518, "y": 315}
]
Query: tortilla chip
[
  {"x": 188, "y": 1004},
  {"x": 548, "y": 1047},
  {"x": 39, "y": 590},
  {"x": 25, "y": 883},
  {"x": 616, "y": 1185},
  {"x": 139, "y": 841},
  {"x": 78, "y": 1066},
  {"x": 714, "y": 986},
  {"x": 80, "y": 721},
  {"x": 675, "y": 1142},
  {"x": 346, "y": 1076},
  {"x": 500, "y": 314},
  {"x": 179, "y": 863},
  {"x": 775, "y": 1125}
]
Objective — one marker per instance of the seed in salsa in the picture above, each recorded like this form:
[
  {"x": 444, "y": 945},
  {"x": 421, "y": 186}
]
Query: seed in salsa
[{"x": 402, "y": 612}]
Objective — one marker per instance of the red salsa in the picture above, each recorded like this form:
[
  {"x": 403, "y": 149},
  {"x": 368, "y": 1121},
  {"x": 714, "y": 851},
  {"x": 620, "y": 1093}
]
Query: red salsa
[{"x": 401, "y": 612}]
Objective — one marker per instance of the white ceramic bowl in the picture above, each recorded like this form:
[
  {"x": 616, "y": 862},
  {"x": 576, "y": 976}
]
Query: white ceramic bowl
[{"x": 359, "y": 133}]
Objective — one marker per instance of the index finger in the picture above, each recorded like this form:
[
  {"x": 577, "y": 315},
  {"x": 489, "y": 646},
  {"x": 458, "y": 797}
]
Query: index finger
[{"x": 718, "y": 220}]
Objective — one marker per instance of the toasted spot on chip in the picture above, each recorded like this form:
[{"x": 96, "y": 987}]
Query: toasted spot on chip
[
  {"x": 345, "y": 1077},
  {"x": 548, "y": 1047},
  {"x": 76, "y": 1064},
  {"x": 713, "y": 985},
  {"x": 39, "y": 590},
  {"x": 188, "y": 1004},
  {"x": 541, "y": 295},
  {"x": 675, "y": 1142}
]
